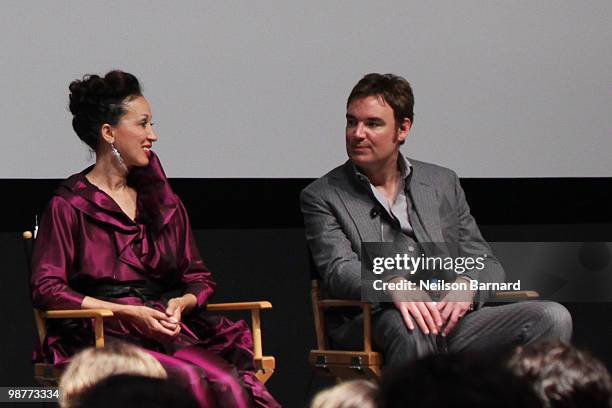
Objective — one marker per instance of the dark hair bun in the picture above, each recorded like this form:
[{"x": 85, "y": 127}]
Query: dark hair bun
[{"x": 95, "y": 101}]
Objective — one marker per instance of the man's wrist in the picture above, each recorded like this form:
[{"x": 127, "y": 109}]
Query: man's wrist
[{"x": 467, "y": 279}]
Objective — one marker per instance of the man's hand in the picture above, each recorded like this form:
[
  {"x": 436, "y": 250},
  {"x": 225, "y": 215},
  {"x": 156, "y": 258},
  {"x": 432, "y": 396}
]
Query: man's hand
[
  {"x": 451, "y": 313},
  {"x": 417, "y": 305},
  {"x": 454, "y": 306}
]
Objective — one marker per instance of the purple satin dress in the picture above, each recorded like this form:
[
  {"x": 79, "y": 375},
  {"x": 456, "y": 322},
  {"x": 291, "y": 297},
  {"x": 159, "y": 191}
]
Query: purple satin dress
[{"x": 86, "y": 241}]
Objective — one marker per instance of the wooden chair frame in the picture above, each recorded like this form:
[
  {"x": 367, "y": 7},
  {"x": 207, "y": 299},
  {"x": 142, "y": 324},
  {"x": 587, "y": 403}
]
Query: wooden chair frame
[
  {"x": 343, "y": 364},
  {"x": 48, "y": 374}
]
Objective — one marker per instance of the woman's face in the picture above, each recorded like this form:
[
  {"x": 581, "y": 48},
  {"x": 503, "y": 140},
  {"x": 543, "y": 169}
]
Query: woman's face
[{"x": 134, "y": 133}]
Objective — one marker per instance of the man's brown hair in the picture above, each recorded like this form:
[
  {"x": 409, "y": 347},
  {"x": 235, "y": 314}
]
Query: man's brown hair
[{"x": 392, "y": 89}]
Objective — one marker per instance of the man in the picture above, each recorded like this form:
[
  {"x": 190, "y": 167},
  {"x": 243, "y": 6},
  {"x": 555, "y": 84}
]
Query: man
[{"x": 379, "y": 195}]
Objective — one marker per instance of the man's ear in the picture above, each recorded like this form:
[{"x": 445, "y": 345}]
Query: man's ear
[
  {"x": 107, "y": 133},
  {"x": 404, "y": 129}
]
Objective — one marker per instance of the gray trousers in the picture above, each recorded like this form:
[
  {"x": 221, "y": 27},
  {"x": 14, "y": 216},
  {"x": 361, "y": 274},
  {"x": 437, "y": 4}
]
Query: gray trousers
[{"x": 487, "y": 330}]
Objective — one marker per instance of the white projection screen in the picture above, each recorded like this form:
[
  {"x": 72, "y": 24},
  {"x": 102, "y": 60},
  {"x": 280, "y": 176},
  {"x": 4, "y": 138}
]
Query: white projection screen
[{"x": 257, "y": 89}]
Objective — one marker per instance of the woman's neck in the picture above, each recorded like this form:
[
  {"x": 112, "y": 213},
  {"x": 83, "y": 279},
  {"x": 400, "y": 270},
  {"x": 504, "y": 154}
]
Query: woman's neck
[{"x": 107, "y": 174}]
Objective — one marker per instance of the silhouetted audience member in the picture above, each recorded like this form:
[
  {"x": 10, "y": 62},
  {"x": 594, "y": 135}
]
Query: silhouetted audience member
[
  {"x": 563, "y": 376},
  {"x": 350, "y": 394},
  {"x": 454, "y": 381},
  {"x": 92, "y": 365},
  {"x": 129, "y": 391}
]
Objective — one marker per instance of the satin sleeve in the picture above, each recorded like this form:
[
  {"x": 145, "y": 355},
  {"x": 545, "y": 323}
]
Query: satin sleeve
[
  {"x": 53, "y": 258},
  {"x": 195, "y": 276}
]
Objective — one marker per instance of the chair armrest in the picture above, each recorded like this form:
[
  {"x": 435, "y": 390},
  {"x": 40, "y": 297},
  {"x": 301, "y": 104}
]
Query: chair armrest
[
  {"x": 221, "y": 307},
  {"x": 341, "y": 303},
  {"x": 515, "y": 295},
  {"x": 254, "y": 307},
  {"x": 97, "y": 314},
  {"x": 80, "y": 313}
]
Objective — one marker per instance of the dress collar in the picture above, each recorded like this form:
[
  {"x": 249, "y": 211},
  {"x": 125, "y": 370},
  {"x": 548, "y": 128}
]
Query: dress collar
[{"x": 156, "y": 200}]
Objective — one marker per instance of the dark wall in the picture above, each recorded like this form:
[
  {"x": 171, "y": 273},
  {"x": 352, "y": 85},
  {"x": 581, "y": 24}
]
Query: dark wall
[
  {"x": 250, "y": 235},
  {"x": 273, "y": 203}
]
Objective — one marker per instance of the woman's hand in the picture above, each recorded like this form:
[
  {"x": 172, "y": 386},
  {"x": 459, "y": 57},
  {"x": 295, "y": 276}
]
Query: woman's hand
[
  {"x": 151, "y": 323},
  {"x": 180, "y": 305},
  {"x": 174, "y": 311}
]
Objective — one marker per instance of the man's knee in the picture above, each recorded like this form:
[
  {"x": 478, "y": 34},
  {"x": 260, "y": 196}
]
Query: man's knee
[
  {"x": 553, "y": 321},
  {"x": 399, "y": 344}
]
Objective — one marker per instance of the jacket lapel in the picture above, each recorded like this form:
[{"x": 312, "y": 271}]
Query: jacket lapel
[
  {"x": 358, "y": 203},
  {"x": 426, "y": 205},
  {"x": 359, "y": 209}
]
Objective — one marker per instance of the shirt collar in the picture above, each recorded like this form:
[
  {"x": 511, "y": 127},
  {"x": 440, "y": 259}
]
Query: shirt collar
[{"x": 405, "y": 168}]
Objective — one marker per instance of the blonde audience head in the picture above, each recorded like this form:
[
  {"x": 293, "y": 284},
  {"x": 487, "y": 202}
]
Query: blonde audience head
[
  {"x": 350, "y": 394},
  {"x": 92, "y": 365}
]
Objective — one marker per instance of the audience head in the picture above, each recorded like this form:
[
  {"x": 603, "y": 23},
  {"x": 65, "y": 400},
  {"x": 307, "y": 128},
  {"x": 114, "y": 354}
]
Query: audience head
[
  {"x": 129, "y": 391},
  {"x": 454, "y": 381},
  {"x": 94, "y": 364},
  {"x": 392, "y": 89},
  {"x": 563, "y": 376},
  {"x": 350, "y": 394},
  {"x": 96, "y": 100}
]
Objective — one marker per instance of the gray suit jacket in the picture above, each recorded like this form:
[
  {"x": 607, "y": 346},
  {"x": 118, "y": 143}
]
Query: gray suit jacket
[{"x": 338, "y": 217}]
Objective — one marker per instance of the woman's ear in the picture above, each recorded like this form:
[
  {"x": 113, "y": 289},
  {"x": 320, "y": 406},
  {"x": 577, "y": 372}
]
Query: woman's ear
[{"x": 107, "y": 133}]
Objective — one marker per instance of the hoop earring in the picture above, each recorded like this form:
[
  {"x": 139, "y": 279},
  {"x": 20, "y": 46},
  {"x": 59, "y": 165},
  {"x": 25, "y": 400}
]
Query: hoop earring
[{"x": 118, "y": 157}]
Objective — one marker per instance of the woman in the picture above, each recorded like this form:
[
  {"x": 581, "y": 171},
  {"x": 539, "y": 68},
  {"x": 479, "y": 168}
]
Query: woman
[{"x": 115, "y": 236}]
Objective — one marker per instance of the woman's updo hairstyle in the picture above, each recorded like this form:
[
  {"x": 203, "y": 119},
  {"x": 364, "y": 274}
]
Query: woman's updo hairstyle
[{"x": 95, "y": 101}]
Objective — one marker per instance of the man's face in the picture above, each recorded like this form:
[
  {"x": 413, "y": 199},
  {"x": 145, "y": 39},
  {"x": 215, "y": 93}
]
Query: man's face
[{"x": 372, "y": 136}]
